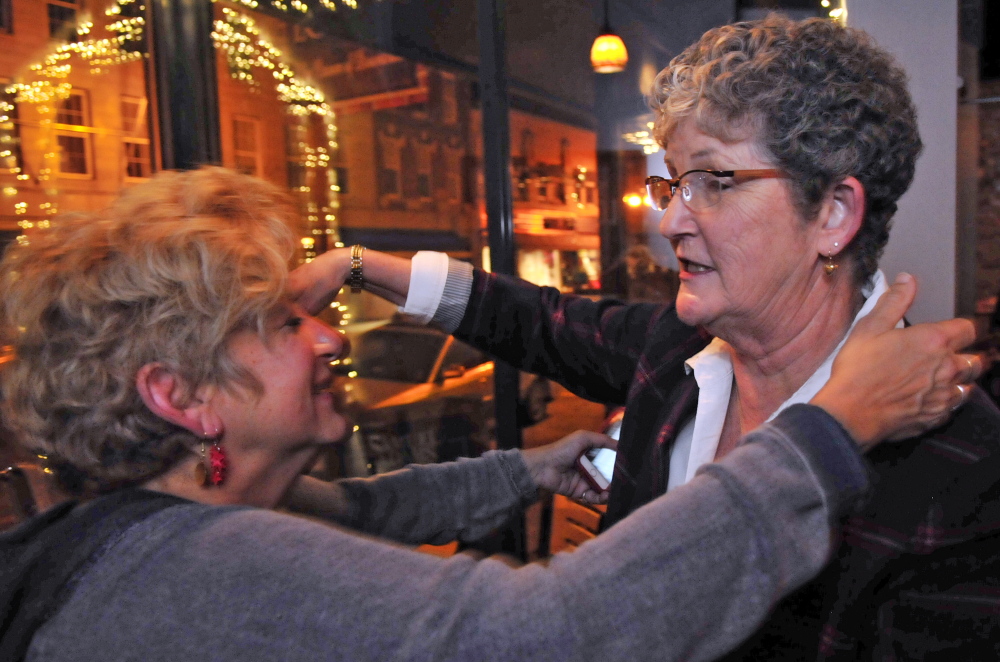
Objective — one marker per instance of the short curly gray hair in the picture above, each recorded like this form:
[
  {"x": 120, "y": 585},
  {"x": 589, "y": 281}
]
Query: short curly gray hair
[
  {"x": 823, "y": 100},
  {"x": 167, "y": 274}
]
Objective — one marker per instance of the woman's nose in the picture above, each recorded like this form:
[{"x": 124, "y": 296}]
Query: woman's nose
[
  {"x": 676, "y": 219},
  {"x": 327, "y": 341}
]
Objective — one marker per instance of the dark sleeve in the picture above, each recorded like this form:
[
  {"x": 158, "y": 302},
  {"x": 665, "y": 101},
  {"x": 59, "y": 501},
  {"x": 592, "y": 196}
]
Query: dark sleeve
[
  {"x": 592, "y": 348},
  {"x": 944, "y": 594}
]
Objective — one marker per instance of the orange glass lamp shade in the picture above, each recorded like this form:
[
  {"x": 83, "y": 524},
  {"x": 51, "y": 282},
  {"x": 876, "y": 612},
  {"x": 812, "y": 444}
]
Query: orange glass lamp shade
[
  {"x": 633, "y": 200},
  {"x": 608, "y": 54}
]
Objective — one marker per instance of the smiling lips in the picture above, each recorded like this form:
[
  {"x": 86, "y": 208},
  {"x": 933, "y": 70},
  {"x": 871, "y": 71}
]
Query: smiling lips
[{"x": 323, "y": 385}]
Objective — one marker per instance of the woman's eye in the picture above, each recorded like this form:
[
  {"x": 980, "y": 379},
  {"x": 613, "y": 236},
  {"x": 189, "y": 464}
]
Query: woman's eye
[{"x": 293, "y": 322}]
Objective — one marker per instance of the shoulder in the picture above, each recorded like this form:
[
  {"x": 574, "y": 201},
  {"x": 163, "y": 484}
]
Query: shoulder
[
  {"x": 970, "y": 441},
  {"x": 195, "y": 545},
  {"x": 193, "y": 575},
  {"x": 947, "y": 478}
]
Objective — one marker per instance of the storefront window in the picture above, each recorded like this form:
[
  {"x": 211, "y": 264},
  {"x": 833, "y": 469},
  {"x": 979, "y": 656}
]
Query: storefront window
[
  {"x": 379, "y": 150},
  {"x": 73, "y": 112}
]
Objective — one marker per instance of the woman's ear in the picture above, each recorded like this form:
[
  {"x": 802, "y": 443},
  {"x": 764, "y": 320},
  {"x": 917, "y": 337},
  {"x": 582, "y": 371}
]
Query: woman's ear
[
  {"x": 166, "y": 395},
  {"x": 842, "y": 214}
]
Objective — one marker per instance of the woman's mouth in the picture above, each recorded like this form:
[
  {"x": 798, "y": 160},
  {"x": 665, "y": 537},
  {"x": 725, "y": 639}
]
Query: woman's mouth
[
  {"x": 322, "y": 386},
  {"x": 693, "y": 268}
]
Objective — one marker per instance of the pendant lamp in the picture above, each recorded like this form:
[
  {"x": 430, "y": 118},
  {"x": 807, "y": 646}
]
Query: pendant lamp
[{"x": 608, "y": 54}]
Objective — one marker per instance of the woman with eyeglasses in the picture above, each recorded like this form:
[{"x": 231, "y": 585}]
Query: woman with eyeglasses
[
  {"x": 179, "y": 387},
  {"x": 787, "y": 145}
]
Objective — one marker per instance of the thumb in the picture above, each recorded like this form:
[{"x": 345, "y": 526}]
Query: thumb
[{"x": 890, "y": 308}]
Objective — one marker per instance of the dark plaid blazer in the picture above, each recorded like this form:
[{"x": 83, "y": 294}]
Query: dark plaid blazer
[{"x": 916, "y": 575}]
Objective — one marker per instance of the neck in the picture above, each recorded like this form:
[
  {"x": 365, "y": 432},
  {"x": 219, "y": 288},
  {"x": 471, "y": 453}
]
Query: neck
[
  {"x": 772, "y": 361},
  {"x": 251, "y": 479}
]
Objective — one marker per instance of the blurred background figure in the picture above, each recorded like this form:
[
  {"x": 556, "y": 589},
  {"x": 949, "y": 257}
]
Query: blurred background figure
[{"x": 647, "y": 280}]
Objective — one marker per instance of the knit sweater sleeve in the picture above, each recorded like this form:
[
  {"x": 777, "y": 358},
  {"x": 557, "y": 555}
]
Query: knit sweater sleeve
[
  {"x": 687, "y": 576},
  {"x": 438, "y": 503}
]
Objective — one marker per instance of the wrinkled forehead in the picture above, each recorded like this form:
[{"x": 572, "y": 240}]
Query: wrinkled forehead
[
  {"x": 732, "y": 125},
  {"x": 691, "y": 147}
]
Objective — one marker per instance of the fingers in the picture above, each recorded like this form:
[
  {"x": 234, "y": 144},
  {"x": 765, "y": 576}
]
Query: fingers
[
  {"x": 937, "y": 407},
  {"x": 970, "y": 368},
  {"x": 587, "y": 439},
  {"x": 916, "y": 387},
  {"x": 959, "y": 333},
  {"x": 963, "y": 392},
  {"x": 959, "y": 369},
  {"x": 594, "y": 497},
  {"x": 890, "y": 308},
  {"x": 315, "y": 284},
  {"x": 606, "y": 442}
]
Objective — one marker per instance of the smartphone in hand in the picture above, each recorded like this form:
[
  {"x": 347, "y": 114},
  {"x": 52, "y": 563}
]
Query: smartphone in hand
[{"x": 597, "y": 466}]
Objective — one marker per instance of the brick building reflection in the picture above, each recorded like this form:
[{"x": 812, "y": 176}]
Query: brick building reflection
[{"x": 402, "y": 171}]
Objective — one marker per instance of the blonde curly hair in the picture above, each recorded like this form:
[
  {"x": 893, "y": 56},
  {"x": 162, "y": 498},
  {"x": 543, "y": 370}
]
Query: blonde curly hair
[
  {"x": 167, "y": 274},
  {"x": 823, "y": 101}
]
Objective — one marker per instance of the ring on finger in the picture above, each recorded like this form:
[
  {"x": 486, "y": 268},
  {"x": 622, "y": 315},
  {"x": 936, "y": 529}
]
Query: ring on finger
[{"x": 963, "y": 391}]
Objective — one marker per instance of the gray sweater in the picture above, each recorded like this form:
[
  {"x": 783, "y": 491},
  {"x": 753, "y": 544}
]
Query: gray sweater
[{"x": 687, "y": 576}]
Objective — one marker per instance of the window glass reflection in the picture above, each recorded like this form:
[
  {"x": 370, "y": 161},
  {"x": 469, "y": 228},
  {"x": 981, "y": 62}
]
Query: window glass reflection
[
  {"x": 73, "y": 109},
  {"x": 376, "y": 149}
]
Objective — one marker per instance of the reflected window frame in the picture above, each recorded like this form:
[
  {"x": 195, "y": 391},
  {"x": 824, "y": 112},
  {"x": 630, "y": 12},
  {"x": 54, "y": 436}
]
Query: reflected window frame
[
  {"x": 245, "y": 155},
  {"x": 73, "y": 126},
  {"x": 62, "y": 16},
  {"x": 136, "y": 151},
  {"x": 6, "y": 16},
  {"x": 138, "y": 162}
]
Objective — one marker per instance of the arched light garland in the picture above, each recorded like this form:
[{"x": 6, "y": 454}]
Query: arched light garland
[
  {"x": 298, "y": 5},
  {"x": 50, "y": 87},
  {"x": 245, "y": 49},
  {"x": 247, "y": 52}
]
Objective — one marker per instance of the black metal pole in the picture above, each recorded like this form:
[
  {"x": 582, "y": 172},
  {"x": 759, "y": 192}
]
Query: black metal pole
[
  {"x": 187, "y": 93},
  {"x": 499, "y": 197},
  {"x": 609, "y": 185},
  {"x": 500, "y": 215}
]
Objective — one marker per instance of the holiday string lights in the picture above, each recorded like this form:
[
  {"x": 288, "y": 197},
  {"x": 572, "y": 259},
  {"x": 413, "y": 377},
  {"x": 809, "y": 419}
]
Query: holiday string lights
[
  {"x": 48, "y": 88},
  {"x": 246, "y": 52}
]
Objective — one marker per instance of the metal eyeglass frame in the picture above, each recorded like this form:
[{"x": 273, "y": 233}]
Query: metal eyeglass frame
[{"x": 656, "y": 193}]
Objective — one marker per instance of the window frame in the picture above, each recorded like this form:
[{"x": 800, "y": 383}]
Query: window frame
[
  {"x": 75, "y": 5},
  {"x": 83, "y": 131},
  {"x": 88, "y": 154},
  {"x": 254, "y": 154},
  {"x": 6, "y": 16},
  {"x": 142, "y": 142},
  {"x": 135, "y": 133}
]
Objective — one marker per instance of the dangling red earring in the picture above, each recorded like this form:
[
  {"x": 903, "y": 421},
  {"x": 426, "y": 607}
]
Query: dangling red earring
[
  {"x": 219, "y": 463},
  {"x": 200, "y": 469},
  {"x": 211, "y": 470}
]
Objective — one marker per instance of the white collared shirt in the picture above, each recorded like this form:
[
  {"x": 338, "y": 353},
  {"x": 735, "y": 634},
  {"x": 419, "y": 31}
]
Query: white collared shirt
[{"x": 698, "y": 440}]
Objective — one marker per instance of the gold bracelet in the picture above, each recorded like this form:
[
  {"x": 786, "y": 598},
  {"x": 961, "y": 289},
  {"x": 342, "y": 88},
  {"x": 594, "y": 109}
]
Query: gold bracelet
[{"x": 357, "y": 278}]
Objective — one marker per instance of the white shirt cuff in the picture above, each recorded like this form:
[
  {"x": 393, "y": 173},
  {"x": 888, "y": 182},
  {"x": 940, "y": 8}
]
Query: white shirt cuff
[{"x": 428, "y": 275}]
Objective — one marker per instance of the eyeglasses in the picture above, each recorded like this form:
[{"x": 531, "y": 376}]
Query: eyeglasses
[{"x": 701, "y": 189}]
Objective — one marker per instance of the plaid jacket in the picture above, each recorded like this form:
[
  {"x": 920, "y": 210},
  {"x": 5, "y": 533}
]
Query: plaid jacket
[{"x": 917, "y": 573}]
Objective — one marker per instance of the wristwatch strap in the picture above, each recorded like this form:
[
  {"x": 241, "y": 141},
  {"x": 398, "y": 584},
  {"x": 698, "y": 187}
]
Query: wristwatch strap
[{"x": 357, "y": 279}]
